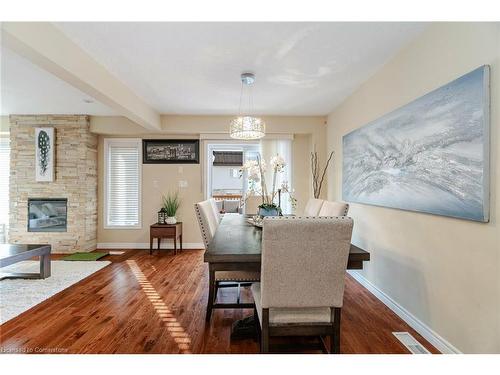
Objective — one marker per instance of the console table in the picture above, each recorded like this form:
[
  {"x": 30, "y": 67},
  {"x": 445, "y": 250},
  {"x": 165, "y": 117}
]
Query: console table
[
  {"x": 159, "y": 231},
  {"x": 10, "y": 254}
]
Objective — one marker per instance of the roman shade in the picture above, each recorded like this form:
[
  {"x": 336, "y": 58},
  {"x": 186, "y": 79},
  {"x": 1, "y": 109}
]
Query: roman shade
[{"x": 228, "y": 158}]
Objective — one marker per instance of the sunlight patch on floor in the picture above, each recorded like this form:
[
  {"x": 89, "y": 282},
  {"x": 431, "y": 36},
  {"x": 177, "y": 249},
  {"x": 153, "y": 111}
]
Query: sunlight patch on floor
[{"x": 174, "y": 328}]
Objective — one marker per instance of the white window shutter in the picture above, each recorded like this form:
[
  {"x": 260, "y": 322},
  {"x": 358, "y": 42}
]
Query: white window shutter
[{"x": 123, "y": 183}]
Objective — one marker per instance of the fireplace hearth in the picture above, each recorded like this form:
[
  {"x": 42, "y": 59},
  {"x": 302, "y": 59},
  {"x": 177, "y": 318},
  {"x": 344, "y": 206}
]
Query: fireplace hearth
[{"x": 47, "y": 214}]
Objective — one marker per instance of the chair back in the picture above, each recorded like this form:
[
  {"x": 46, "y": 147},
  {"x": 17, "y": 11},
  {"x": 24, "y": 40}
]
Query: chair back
[
  {"x": 207, "y": 221},
  {"x": 313, "y": 206},
  {"x": 215, "y": 207},
  {"x": 232, "y": 206},
  {"x": 252, "y": 204},
  {"x": 334, "y": 209},
  {"x": 304, "y": 261}
]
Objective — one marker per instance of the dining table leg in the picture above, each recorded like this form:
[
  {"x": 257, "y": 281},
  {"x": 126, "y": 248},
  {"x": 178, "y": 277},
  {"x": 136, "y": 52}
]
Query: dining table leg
[{"x": 211, "y": 291}]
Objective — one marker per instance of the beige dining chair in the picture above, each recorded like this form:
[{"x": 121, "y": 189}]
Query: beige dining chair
[
  {"x": 301, "y": 292},
  {"x": 215, "y": 208},
  {"x": 252, "y": 204},
  {"x": 223, "y": 279},
  {"x": 313, "y": 206},
  {"x": 232, "y": 206},
  {"x": 332, "y": 208}
]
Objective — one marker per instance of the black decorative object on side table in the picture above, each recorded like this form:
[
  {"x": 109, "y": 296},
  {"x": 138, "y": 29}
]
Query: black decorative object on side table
[{"x": 161, "y": 216}]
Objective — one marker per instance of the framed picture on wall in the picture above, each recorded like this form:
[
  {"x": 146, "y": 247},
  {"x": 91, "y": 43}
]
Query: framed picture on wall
[
  {"x": 44, "y": 154},
  {"x": 430, "y": 155},
  {"x": 171, "y": 151}
]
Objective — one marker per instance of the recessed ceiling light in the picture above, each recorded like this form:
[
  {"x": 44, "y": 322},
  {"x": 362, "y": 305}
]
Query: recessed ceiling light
[{"x": 88, "y": 101}]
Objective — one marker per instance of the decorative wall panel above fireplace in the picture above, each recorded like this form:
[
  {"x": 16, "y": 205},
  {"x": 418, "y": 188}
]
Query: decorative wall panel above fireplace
[{"x": 44, "y": 154}]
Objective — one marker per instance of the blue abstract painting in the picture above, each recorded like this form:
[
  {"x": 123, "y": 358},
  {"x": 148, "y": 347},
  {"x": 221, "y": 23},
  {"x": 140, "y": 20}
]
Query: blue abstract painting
[{"x": 431, "y": 155}]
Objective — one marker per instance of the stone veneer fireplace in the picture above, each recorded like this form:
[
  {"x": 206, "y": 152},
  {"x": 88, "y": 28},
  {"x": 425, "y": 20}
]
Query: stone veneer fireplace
[{"x": 75, "y": 183}]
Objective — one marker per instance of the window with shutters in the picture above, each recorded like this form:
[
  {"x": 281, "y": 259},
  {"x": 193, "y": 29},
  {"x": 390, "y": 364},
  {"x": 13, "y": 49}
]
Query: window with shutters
[
  {"x": 122, "y": 198},
  {"x": 4, "y": 187}
]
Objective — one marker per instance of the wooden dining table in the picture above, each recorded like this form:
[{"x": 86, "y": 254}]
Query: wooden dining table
[{"x": 236, "y": 246}]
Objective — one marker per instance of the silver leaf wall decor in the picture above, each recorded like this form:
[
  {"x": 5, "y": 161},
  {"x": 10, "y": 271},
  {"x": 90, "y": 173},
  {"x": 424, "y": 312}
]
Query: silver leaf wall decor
[{"x": 431, "y": 155}]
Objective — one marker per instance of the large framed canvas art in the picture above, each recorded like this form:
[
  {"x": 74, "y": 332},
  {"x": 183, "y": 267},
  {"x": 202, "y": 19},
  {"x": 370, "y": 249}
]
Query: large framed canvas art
[
  {"x": 44, "y": 154},
  {"x": 431, "y": 155}
]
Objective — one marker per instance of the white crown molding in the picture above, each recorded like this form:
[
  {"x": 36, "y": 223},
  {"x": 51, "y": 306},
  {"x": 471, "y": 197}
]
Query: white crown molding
[
  {"x": 426, "y": 332},
  {"x": 145, "y": 245}
]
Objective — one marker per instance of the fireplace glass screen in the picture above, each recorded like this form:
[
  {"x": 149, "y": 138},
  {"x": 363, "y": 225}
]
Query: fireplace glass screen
[{"x": 47, "y": 215}]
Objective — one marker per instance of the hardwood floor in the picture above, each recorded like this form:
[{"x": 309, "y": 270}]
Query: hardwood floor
[{"x": 156, "y": 304}]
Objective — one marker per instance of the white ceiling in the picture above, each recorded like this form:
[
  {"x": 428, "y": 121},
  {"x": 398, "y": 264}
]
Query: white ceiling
[
  {"x": 194, "y": 68},
  {"x": 28, "y": 89}
]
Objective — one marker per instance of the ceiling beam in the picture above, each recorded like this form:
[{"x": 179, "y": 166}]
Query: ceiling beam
[{"x": 46, "y": 46}]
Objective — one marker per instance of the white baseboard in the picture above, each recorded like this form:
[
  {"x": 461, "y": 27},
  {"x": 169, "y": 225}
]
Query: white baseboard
[
  {"x": 427, "y": 333},
  {"x": 145, "y": 245}
]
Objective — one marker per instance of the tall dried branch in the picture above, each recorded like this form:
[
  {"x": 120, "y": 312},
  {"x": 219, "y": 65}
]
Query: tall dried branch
[
  {"x": 324, "y": 172},
  {"x": 316, "y": 181}
]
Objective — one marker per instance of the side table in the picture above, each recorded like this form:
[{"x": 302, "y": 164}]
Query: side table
[{"x": 160, "y": 231}]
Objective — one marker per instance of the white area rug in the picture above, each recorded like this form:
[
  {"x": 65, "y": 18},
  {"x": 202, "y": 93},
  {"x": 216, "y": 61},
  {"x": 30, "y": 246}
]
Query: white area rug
[{"x": 19, "y": 295}]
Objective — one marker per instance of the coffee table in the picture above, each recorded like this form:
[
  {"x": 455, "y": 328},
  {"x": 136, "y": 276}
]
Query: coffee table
[{"x": 10, "y": 254}]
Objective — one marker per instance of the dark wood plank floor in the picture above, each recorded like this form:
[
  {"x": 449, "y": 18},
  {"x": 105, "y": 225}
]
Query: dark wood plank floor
[{"x": 156, "y": 304}]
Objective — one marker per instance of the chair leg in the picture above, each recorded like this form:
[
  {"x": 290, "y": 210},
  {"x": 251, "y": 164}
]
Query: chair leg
[
  {"x": 264, "y": 333},
  {"x": 257, "y": 324},
  {"x": 212, "y": 293},
  {"x": 335, "y": 338}
]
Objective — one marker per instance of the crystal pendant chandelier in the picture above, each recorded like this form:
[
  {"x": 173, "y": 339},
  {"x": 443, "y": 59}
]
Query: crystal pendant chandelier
[{"x": 246, "y": 126}]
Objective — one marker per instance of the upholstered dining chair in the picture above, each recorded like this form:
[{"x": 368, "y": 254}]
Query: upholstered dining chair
[
  {"x": 301, "y": 292},
  {"x": 216, "y": 210},
  {"x": 332, "y": 208},
  {"x": 232, "y": 206},
  {"x": 252, "y": 204},
  {"x": 223, "y": 279},
  {"x": 313, "y": 206}
]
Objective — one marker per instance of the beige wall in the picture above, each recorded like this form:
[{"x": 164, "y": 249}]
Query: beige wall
[
  {"x": 444, "y": 271},
  {"x": 4, "y": 126},
  {"x": 307, "y": 131},
  {"x": 301, "y": 149},
  {"x": 166, "y": 177}
]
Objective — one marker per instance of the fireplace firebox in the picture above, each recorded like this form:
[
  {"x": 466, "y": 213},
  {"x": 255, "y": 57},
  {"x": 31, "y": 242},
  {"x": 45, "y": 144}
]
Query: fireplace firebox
[{"x": 47, "y": 214}]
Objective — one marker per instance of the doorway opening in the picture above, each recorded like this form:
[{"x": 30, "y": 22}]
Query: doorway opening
[{"x": 225, "y": 181}]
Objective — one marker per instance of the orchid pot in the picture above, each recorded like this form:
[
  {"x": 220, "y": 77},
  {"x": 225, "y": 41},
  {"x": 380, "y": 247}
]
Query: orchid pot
[{"x": 269, "y": 210}]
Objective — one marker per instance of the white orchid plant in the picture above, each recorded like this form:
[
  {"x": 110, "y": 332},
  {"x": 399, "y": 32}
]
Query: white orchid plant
[{"x": 257, "y": 182}]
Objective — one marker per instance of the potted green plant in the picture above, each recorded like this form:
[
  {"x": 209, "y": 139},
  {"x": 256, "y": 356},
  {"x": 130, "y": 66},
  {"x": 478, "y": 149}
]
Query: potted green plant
[{"x": 171, "y": 204}]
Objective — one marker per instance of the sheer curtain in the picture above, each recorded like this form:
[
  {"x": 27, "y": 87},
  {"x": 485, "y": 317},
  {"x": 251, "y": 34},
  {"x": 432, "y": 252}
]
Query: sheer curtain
[{"x": 283, "y": 148}]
